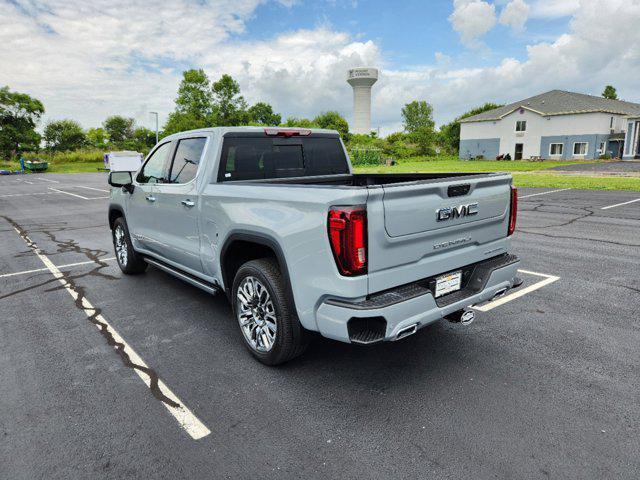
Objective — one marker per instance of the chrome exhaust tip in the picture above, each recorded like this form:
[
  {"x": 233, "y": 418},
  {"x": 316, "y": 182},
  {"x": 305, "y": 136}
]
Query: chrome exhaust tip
[
  {"x": 405, "y": 332},
  {"x": 500, "y": 293},
  {"x": 467, "y": 317},
  {"x": 463, "y": 317}
]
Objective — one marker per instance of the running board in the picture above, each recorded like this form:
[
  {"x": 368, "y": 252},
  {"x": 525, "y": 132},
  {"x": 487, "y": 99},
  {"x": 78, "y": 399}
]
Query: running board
[{"x": 182, "y": 275}]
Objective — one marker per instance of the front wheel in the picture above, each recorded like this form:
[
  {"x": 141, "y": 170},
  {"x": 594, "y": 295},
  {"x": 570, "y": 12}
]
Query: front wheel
[
  {"x": 129, "y": 261},
  {"x": 268, "y": 322}
]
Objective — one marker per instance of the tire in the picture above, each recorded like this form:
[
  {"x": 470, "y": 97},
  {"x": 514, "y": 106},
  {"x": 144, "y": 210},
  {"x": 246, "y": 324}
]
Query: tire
[
  {"x": 129, "y": 261},
  {"x": 289, "y": 339}
]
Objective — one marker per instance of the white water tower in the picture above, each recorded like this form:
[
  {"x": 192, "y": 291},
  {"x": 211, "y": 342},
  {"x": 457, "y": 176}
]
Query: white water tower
[{"x": 362, "y": 79}]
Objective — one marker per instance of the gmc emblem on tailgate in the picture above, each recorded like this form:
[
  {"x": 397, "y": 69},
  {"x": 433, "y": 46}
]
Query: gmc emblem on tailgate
[{"x": 460, "y": 211}]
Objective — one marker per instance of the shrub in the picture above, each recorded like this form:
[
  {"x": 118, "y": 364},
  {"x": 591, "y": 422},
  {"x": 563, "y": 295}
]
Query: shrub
[
  {"x": 366, "y": 156},
  {"x": 84, "y": 156}
]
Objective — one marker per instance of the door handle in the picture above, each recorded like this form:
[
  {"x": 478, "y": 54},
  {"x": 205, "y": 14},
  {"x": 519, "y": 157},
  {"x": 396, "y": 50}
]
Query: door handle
[
  {"x": 188, "y": 203},
  {"x": 150, "y": 198}
]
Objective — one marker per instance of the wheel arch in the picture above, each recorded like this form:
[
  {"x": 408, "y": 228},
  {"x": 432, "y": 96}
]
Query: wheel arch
[
  {"x": 115, "y": 211},
  {"x": 234, "y": 253}
]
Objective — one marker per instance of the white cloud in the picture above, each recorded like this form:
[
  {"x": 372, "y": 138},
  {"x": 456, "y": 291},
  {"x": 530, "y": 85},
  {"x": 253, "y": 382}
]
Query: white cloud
[
  {"x": 554, "y": 8},
  {"x": 579, "y": 61},
  {"x": 90, "y": 60},
  {"x": 515, "y": 14},
  {"x": 472, "y": 19},
  {"x": 87, "y": 61}
]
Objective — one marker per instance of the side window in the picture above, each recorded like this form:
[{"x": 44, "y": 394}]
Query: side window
[
  {"x": 154, "y": 169},
  {"x": 186, "y": 160},
  {"x": 521, "y": 126}
]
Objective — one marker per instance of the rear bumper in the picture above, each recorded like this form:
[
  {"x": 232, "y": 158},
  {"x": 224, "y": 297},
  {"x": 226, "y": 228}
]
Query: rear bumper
[{"x": 395, "y": 310}]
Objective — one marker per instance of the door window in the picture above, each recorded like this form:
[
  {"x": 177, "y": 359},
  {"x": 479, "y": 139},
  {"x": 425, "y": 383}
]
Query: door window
[
  {"x": 187, "y": 159},
  {"x": 155, "y": 168}
]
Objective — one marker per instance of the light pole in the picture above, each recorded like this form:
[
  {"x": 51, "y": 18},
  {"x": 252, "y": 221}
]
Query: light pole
[{"x": 156, "y": 114}]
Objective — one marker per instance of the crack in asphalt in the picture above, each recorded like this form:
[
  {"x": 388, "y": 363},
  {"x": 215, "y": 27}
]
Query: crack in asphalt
[
  {"x": 580, "y": 238},
  {"x": 92, "y": 314}
]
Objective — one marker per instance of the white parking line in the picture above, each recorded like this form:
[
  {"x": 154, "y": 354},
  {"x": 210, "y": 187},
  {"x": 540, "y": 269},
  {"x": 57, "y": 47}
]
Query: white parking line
[
  {"x": 75, "y": 195},
  {"x": 187, "y": 420},
  {"x": 35, "y": 270},
  {"x": 46, "y": 180},
  {"x": 548, "y": 279},
  {"x": 26, "y": 194},
  {"x": 544, "y": 193},
  {"x": 91, "y": 188},
  {"x": 620, "y": 204}
]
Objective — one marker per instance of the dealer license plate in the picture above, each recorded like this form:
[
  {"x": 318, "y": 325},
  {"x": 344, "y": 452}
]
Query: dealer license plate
[{"x": 448, "y": 283}]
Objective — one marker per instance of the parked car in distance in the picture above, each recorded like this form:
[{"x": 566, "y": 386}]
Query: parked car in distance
[{"x": 276, "y": 219}]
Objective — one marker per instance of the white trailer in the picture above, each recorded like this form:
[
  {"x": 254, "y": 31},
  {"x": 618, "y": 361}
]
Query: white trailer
[{"x": 125, "y": 161}]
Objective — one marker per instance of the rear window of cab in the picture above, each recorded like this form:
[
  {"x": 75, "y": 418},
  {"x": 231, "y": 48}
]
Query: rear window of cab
[{"x": 257, "y": 158}]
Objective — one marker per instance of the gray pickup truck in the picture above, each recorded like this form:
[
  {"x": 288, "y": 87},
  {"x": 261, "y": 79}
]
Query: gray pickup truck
[{"x": 276, "y": 219}]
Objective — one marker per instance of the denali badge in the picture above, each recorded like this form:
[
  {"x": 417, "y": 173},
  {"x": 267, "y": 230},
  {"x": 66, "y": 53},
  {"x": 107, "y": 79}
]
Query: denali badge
[{"x": 450, "y": 213}]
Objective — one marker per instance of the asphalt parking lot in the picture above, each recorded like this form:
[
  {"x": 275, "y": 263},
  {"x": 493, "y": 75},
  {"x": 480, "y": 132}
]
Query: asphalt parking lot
[{"x": 544, "y": 385}]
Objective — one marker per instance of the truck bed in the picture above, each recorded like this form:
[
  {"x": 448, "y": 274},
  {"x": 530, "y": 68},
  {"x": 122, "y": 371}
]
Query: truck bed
[{"x": 369, "y": 179}]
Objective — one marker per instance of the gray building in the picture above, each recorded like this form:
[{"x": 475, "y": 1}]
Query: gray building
[{"x": 554, "y": 125}]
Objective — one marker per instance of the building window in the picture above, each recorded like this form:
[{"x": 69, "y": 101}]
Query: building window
[
  {"x": 601, "y": 148},
  {"x": 580, "y": 148},
  {"x": 521, "y": 126},
  {"x": 611, "y": 123},
  {"x": 556, "y": 149}
]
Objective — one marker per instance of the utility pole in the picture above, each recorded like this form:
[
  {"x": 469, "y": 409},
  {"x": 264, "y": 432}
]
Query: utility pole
[{"x": 156, "y": 114}]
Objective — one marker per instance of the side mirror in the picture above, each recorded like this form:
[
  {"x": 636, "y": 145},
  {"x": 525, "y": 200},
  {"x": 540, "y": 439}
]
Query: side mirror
[{"x": 121, "y": 179}]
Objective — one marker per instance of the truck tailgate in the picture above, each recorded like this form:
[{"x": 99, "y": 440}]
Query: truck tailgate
[{"x": 421, "y": 229}]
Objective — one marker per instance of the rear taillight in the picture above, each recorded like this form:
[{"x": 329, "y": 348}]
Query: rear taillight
[
  {"x": 514, "y": 211},
  {"x": 348, "y": 237}
]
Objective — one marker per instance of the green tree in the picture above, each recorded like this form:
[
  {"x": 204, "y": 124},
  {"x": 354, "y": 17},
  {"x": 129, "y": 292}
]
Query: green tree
[
  {"x": 195, "y": 95},
  {"x": 610, "y": 92},
  {"x": 449, "y": 134},
  {"x": 262, "y": 114},
  {"x": 417, "y": 114},
  {"x": 230, "y": 106},
  {"x": 418, "y": 122},
  {"x": 64, "y": 135},
  {"x": 194, "y": 104},
  {"x": 181, "y": 122},
  {"x": 119, "y": 129},
  {"x": 97, "y": 138},
  {"x": 424, "y": 138},
  {"x": 143, "y": 140},
  {"x": 299, "y": 123},
  {"x": 19, "y": 115},
  {"x": 333, "y": 121}
]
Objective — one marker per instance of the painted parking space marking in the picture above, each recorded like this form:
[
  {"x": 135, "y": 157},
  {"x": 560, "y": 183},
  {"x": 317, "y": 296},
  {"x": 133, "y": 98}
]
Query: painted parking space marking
[
  {"x": 546, "y": 280},
  {"x": 26, "y": 194},
  {"x": 183, "y": 415},
  {"x": 92, "y": 188},
  {"x": 67, "y": 265},
  {"x": 46, "y": 180},
  {"x": 544, "y": 193},
  {"x": 620, "y": 204},
  {"x": 75, "y": 194}
]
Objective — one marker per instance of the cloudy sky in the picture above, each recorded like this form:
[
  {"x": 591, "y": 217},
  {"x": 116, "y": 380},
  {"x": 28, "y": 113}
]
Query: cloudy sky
[{"x": 87, "y": 60}]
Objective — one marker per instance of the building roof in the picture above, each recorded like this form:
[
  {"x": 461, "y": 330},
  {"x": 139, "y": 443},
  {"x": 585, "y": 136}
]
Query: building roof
[{"x": 559, "y": 102}]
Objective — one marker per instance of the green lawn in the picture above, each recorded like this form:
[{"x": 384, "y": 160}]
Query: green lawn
[
  {"x": 526, "y": 174},
  {"x": 54, "y": 167}
]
